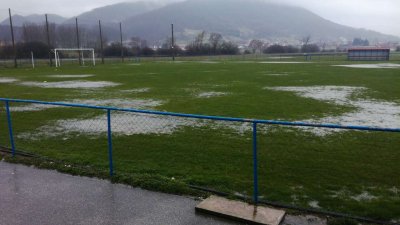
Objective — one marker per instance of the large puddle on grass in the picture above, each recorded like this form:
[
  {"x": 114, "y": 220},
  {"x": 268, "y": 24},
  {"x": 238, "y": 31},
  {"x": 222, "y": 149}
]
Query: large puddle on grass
[
  {"x": 127, "y": 123},
  {"x": 5, "y": 80},
  {"x": 211, "y": 94},
  {"x": 208, "y": 62},
  {"x": 271, "y": 73},
  {"x": 281, "y": 57},
  {"x": 136, "y": 90},
  {"x": 119, "y": 103},
  {"x": 372, "y": 66},
  {"x": 282, "y": 62},
  {"x": 71, "y": 76},
  {"x": 71, "y": 84},
  {"x": 123, "y": 123},
  {"x": 371, "y": 113}
]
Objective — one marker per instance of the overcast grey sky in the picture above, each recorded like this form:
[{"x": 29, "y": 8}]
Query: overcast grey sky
[{"x": 379, "y": 15}]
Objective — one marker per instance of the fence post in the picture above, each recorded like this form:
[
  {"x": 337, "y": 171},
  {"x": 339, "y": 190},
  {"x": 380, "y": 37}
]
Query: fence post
[
  {"x": 255, "y": 167},
  {"x": 10, "y": 130},
  {"x": 109, "y": 132}
]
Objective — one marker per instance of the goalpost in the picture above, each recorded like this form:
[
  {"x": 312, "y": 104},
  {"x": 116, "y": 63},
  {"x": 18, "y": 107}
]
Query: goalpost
[{"x": 80, "y": 50}]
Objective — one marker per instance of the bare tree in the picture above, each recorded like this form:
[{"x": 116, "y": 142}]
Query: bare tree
[
  {"x": 199, "y": 40},
  {"x": 306, "y": 40},
  {"x": 136, "y": 44},
  {"x": 33, "y": 33},
  {"x": 215, "y": 41},
  {"x": 66, "y": 36},
  {"x": 256, "y": 45},
  {"x": 307, "y": 47},
  {"x": 167, "y": 43}
]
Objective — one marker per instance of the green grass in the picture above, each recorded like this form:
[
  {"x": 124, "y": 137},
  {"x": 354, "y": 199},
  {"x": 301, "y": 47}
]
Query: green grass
[{"x": 295, "y": 166}]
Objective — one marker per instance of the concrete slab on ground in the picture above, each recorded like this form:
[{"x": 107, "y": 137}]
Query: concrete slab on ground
[{"x": 241, "y": 211}]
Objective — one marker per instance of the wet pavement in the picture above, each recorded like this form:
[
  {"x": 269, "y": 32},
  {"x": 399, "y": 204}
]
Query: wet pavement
[{"x": 33, "y": 196}]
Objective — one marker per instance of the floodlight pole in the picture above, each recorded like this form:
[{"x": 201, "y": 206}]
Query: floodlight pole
[
  {"x": 172, "y": 43},
  {"x": 122, "y": 46},
  {"x": 78, "y": 42},
  {"x": 13, "y": 40},
  {"x": 101, "y": 43},
  {"x": 48, "y": 41}
]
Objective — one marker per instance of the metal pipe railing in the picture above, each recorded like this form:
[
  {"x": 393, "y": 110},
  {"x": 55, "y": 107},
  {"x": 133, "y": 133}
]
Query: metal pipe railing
[{"x": 254, "y": 123}]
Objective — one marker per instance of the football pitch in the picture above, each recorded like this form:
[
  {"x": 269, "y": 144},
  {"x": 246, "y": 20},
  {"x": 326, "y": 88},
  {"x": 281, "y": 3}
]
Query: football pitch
[{"x": 355, "y": 172}]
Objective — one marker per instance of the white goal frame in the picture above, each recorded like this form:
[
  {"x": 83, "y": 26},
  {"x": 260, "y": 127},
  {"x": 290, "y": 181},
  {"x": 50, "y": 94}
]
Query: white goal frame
[{"x": 80, "y": 50}]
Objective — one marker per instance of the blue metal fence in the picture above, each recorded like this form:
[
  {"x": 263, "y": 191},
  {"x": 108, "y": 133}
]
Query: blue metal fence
[{"x": 253, "y": 122}]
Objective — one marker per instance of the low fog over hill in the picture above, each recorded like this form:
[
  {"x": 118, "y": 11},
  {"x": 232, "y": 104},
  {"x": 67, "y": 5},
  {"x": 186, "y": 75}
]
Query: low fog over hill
[{"x": 236, "y": 20}]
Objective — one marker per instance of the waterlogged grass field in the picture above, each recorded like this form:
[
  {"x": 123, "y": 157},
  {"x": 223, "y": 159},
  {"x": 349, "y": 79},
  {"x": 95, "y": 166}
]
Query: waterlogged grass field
[{"x": 345, "y": 171}]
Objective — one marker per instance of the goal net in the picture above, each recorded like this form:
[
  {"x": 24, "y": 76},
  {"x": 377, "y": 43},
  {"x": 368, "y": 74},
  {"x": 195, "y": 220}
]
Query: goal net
[{"x": 71, "y": 54}]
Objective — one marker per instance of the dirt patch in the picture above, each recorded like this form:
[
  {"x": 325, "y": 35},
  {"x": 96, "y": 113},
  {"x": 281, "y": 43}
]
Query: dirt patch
[
  {"x": 71, "y": 76},
  {"x": 71, "y": 84},
  {"x": 372, "y": 66},
  {"x": 5, "y": 80},
  {"x": 372, "y": 113}
]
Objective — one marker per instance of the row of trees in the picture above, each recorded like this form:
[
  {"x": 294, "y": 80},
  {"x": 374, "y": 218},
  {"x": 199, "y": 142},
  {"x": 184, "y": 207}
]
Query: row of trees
[
  {"x": 34, "y": 39},
  {"x": 260, "y": 46},
  {"x": 23, "y": 50},
  {"x": 60, "y": 35},
  {"x": 213, "y": 43},
  {"x": 360, "y": 42},
  {"x": 203, "y": 44}
]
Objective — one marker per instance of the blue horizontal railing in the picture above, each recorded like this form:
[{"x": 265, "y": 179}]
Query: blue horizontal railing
[
  {"x": 219, "y": 118},
  {"x": 254, "y": 123}
]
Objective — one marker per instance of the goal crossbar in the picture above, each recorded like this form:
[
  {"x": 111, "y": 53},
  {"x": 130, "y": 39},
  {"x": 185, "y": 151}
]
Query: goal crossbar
[{"x": 80, "y": 50}]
